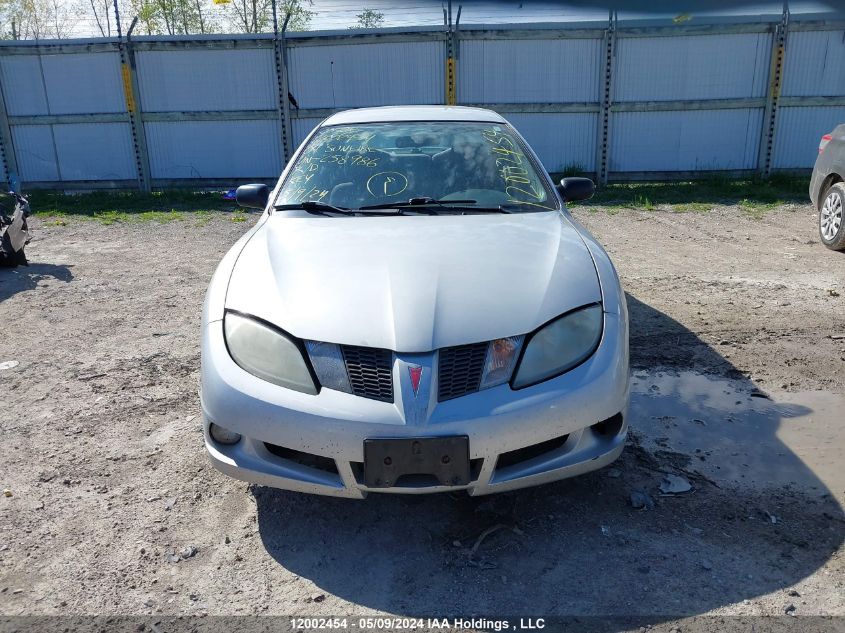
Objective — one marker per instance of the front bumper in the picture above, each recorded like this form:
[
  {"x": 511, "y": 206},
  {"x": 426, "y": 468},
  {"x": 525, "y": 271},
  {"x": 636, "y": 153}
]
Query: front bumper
[{"x": 315, "y": 444}]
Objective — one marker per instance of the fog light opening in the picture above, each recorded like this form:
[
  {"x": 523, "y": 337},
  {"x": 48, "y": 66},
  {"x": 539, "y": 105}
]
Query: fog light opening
[
  {"x": 223, "y": 436},
  {"x": 610, "y": 427}
]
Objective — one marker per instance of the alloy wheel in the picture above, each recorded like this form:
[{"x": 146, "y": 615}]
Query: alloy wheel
[{"x": 831, "y": 215}]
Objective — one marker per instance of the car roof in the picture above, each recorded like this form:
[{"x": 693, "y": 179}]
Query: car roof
[{"x": 414, "y": 113}]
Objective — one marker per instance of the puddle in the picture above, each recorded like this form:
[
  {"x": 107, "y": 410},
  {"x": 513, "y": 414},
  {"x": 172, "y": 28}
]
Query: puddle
[{"x": 791, "y": 439}]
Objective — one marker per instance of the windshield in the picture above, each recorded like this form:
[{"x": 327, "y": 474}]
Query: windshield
[{"x": 353, "y": 166}]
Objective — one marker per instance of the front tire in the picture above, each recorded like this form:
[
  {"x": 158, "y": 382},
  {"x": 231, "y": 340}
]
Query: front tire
[{"x": 832, "y": 218}]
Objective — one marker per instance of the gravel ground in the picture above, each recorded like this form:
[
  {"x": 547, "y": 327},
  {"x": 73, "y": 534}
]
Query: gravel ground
[{"x": 737, "y": 343}]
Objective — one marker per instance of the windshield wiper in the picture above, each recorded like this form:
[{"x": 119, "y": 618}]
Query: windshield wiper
[
  {"x": 314, "y": 206},
  {"x": 430, "y": 205},
  {"x": 323, "y": 208},
  {"x": 424, "y": 202}
]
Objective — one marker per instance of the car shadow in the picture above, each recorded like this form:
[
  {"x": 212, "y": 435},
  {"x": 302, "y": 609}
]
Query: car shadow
[
  {"x": 578, "y": 547},
  {"x": 22, "y": 278}
]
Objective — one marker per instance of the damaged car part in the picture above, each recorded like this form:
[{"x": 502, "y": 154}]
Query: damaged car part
[{"x": 14, "y": 232}]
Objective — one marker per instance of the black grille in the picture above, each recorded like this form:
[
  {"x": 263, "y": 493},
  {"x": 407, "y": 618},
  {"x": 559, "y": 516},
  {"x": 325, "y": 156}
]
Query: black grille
[
  {"x": 530, "y": 452},
  {"x": 370, "y": 372},
  {"x": 306, "y": 459},
  {"x": 460, "y": 370}
]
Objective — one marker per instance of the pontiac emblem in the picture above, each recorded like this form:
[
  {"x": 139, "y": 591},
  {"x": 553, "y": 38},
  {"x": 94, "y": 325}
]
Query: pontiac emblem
[{"x": 415, "y": 372}]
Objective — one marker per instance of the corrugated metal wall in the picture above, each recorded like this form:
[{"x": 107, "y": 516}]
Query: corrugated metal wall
[
  {"x": 799, "y": 132},
  {"x": 529, "y": 71},
  {"x": 562, "y": 70},
  {"x": 561, "y": 140},
  {"x": 704, "y": 67},
  {"x": 358, "y": 75},
  {"x": 302, "y": 128},
  {"x": 192, "y": 80},
  {"x": 698, "y": 140},
  {"x": 209, "y": 110},
  {"x": 94, "y": 151},
  {"x": 814, "y": 67},
  {"x": 23, "y": 86},
  {"x": 68, "y": 84},
  {"x": 726, "y": 66},
  {"x": 186, "y": 81},
  {"x": 62, "y": 84},
  {"x": 815, "y": 64},
  {"x": 214, "y": 149},
  {"x": 36, "y": 153}
]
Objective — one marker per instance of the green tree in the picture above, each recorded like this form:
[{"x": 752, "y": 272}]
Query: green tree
[
  {"x": 250, "y": 16},
  {"x": 35, "y": 19},
  {"x": 256, "y": 16},
  {"x": 300, "y": 17},
  {"x": 98, "y": 12},
  {"x": 148, "y": 18},
  {"x": 368, "y": 19},
  {"x": 7, "y": 20},
  {"x": 179, "y": 17}
]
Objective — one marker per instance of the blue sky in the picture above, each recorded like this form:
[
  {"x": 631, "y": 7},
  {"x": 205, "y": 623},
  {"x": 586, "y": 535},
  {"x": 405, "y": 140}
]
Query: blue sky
[{"x": 338, "y": 14}]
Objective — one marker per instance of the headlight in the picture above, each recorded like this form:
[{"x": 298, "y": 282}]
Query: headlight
[
  {"x": 560, "y": 346},
  {"x": 265, "y": 352}
]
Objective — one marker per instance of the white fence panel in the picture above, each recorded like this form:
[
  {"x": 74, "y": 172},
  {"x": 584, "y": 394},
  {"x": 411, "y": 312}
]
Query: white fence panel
[
  {"x": 23, "y": 89},
  {"x": 214, "y": 149},
  {"x": 799, "y": 131},
  {"x": 76, "y": 83},
  {"x": 80, "y": 86},
  {"x": 560, "y": 140},
  {"x": 684, "y": 141},
  {"x": 36, "y": 153},
  {"x": 358, "y": 75},
  {"x": 83, "y": 83},
  {"x": 68, "y": 84},
  {"x": 191, "y": 80},
  {"x": 95, "y": 151},
  {"x": 74, "y": 151},
  {"x": 725, "y": 66},
  {"x": 529, "y": 71},
  {"x": 302, "y": 128},
  {"x": 814, "y": 64}
]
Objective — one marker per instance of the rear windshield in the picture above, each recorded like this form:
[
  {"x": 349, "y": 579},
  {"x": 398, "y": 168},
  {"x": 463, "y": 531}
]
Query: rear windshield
[{"x": 352, "y": 166}]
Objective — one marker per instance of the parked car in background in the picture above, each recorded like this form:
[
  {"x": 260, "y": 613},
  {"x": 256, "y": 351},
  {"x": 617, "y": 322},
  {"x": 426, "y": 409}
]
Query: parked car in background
[
  {"x": 827, "y": 188},
  {"x": 416, "y": 311}
]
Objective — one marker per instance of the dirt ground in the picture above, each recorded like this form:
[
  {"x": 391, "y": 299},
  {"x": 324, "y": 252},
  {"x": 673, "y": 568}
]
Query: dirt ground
[{"x": 738, "y": 352}]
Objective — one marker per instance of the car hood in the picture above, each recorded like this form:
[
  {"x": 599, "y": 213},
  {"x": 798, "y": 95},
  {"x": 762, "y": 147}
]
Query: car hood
[{"x": 413, "y": 283}]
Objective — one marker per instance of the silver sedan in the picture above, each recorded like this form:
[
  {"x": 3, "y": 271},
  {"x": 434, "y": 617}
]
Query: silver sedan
[{"x": 414, "y": 312}]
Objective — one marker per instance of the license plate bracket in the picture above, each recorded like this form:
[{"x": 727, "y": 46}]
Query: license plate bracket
[{"x": 445, "y": 458}]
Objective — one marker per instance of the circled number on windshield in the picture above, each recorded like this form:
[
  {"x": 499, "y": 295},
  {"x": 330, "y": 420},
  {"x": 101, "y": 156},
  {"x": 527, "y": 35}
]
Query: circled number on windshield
[{"x": 387, "y": 183}]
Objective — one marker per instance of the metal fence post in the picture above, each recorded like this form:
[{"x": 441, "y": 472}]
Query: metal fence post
[
  {"x": 456, "y": 55},
  {"x": 7, "y": 147},
  {"x": 280, "y": 55},
  {"x": 130, "y": 90},
  {"x": 767, "y": 135},
  {"x": 606, "y": 96},
  {"x": 451, "y": 76},
  {"x": 450, "y": 72},
  {"x": 133, "y": 92}
]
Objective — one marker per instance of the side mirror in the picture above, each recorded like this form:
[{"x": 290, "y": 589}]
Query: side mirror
[
  {"x": 253, "y": 196},
  {"x": 571, "y": 189}
]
